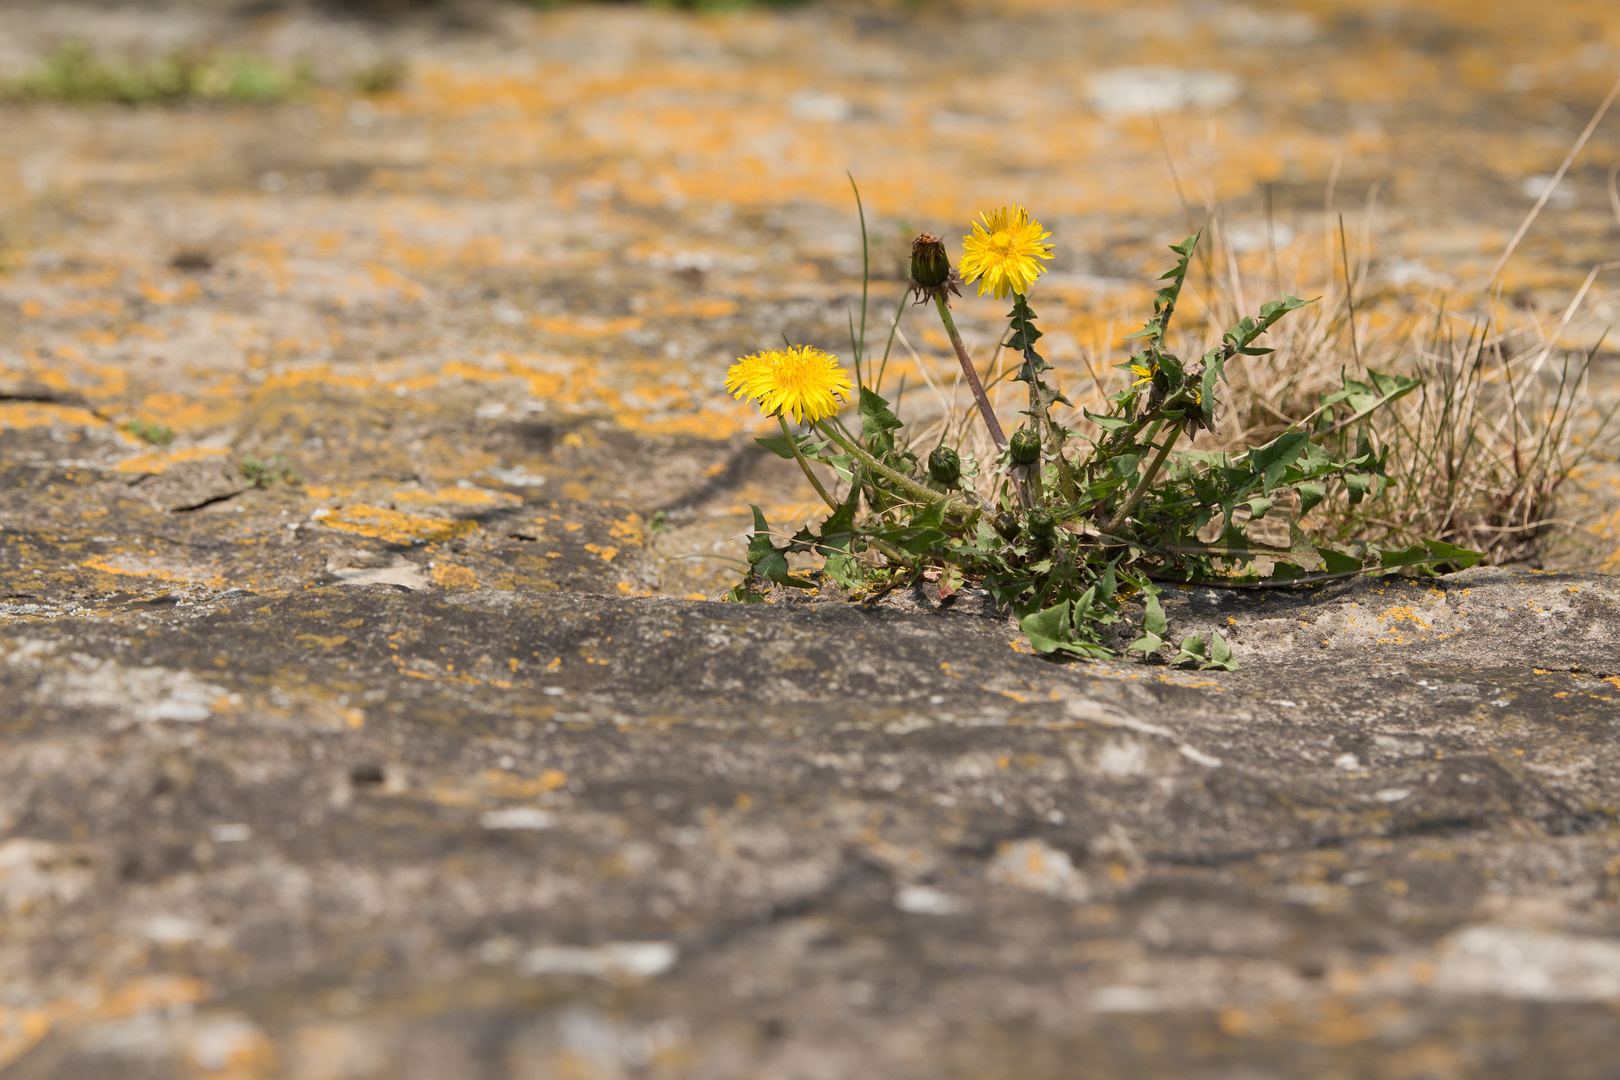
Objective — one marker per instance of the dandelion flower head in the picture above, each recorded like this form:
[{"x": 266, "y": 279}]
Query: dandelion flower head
[
  {"x": 1002, "y": 252},
  {"x": 1143, "y": 373},
  {"x": 799, "y": 380}
]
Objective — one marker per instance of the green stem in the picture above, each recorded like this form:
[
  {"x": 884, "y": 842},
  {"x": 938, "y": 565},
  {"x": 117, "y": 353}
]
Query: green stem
[
  {"x": 805, "y": 465},
  {"x": 898, "y": 479},
  {"x": 889, "y": 551},
  {"x": 1142, "y": 485},
  {"x": 972, "y": 376}
]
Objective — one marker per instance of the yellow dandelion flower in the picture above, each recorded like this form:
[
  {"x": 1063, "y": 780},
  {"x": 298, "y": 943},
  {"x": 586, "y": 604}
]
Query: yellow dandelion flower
[
  {"x": 1001, "y": 253},
  {"x": 1143, "y": 373},
  {"x": 800, "y": 380}
]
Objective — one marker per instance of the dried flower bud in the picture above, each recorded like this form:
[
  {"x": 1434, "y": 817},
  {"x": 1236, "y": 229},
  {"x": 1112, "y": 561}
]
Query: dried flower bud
[
  {"x": 944, "y": 465},
  {"x": 930, "y": 265},
  {"x": 1024, "y": 447},
  {"x": 931, "y": 271}
]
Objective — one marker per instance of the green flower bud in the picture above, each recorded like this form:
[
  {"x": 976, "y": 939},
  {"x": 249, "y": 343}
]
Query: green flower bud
[
  {"x": 944, "y": 465},
  {"x": 930, "y": 265},
  {"x": 1041, "y": 527},
  {"x": 1024, "y": 447}
]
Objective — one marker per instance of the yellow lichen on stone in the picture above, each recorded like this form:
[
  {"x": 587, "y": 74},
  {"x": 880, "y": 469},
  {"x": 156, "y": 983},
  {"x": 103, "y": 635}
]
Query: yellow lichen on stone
[{"x": 392, "y": 526}]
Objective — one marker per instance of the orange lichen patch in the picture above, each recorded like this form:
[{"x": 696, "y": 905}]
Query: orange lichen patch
[
  {"x": 456, "y": 498},
  {"x": 1397, "y": 614},
  {"x": 182, "y": 292},
  {"x": 160, "y": 569},
  {"x": 152, "y": 992},
  {"x": 329, "y": 491},
  {"x": 391, "y": 526},
  {"x": 314, "y": 375},
  {"x": 606, "y": 554},
  {"x": 628, "y": 530},
  {"x": 507, "y": 785},
  {"x": 447, "y": 576},
  {"x": 217, "y": 406},
  {"x": 460, "y": 369},
  {"x": 20, "y": 415},
  {"x": 156, "y": 461},
  {"x": 585, "y": 327},
  {"x": 22, "y": 1029},
  {"x": 700, "y": 308}
]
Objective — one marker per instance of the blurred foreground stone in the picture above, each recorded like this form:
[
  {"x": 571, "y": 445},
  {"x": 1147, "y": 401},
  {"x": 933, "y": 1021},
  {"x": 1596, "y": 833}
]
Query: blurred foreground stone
[{"x": 366, "y": 831}]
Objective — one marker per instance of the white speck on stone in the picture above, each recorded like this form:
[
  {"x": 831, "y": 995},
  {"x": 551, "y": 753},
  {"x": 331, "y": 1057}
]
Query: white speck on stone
[
  {"x": 1135, "y": 91},
  {"x": 1394, "y": 794},
  {"x": 1347, "y": 762},
  {"x": 1039, "y": 867},
  {"x": 553, "y": 691},
  {"x": 1197, "y": 756},
  {"x": 637, "y": 959},
  {"x": 218, "y": 1042},
  {"x": 1530, "y": 965},
  {"x": 518, "y": 817},
  {"x": 171, "y": 929},
  {"x": 1125, "y": 999},
  {"x": 926, "y": 900},
  {"x": 819, "y": 107},
  {"x": 229, "y": 834},
  {"x": 143, "y": 695},
  {"x": 1562, "y": 197},
  {"x": 515, "y": 476},
  {"x": 1123, "y": 756},
  {"x": 401, "y": 572}
]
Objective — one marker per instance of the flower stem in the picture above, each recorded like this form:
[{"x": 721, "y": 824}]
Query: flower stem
[
  {"x": 899, "y": 480},
  {"x": 1142, "y": 485},
  {"x": 974, "y": 385},
  {"x": 805, "y": 465}
]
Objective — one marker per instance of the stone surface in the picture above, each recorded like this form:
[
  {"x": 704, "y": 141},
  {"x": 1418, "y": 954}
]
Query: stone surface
[
  {"x": 369, "y": 831},
  {"x": 432, "y": 761}
]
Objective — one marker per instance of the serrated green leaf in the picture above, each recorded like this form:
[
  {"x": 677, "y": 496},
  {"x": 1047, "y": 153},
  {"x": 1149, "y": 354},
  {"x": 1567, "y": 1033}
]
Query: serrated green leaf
[
  {"x": 1109, "y": 424},
  {"x": 1411, "y": 556},
  {"x": 1336, "y": 562},
  {"x": 1220, "y": 653},
  {"x": 765, "y": 560},
  {"x": 777, "y": 444},
  {"x": 1311, "y": 493},
  {"x": 1153, "y": 620},
  {"x": 877, "y": 419},
  {"x": 1048, "y": 630},
  {"x": 1273, "y": 459},
  {"x": 1147, "y": 643},
  {"x": 1444, "y": 552}
]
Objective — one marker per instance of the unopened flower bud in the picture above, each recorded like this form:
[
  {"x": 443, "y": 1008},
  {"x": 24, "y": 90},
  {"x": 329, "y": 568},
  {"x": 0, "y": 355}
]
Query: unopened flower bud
[
  {"x": 930, "y": 265},
  {"x": 1024, "y": 447},
  {"x": 1041, "y": 527},
  {"x": 944, "y": 465}
]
